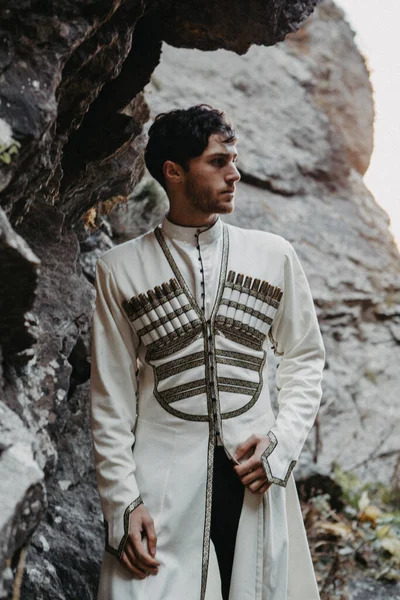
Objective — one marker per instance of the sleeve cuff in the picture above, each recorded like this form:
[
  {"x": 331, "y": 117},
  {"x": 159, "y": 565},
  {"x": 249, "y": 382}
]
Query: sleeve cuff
[
  {"x": 108, "y": 547},
  {"x": 266, "y": 463}
]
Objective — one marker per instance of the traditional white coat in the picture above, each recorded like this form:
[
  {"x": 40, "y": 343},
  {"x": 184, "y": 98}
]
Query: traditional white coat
[{"x": 182, "y": 321}]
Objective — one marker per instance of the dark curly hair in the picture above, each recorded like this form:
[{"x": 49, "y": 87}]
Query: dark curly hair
[{"x": 182, "y": 134}]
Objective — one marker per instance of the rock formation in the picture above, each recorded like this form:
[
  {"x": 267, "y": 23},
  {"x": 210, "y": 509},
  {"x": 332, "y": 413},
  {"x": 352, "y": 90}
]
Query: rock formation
[
  {"x": 304, "y": 113},
  {"x": 71, "y": 117},
  {"x": 72, "y": 111}
]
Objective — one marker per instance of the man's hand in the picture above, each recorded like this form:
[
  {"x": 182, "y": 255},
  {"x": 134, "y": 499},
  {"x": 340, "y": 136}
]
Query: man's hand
[
  {"x": 136, "y": 557},
  {"x": 251, "y": 471}
]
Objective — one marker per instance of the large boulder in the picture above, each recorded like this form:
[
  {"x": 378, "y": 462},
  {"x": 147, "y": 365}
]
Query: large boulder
[
  {"x": 72, "y": 113},
  {"x": 304, "y": 112},
  {"x": 71, "y": 118}
]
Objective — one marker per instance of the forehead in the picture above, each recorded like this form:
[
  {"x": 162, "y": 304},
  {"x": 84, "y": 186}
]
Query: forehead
[{"x": 216, "y": 144}]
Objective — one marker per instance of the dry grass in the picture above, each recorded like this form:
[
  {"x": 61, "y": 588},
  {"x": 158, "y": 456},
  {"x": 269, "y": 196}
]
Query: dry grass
[{"x": 361, "y": 540}]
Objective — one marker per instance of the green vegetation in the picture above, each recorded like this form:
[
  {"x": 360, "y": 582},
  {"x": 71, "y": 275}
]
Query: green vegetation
[
  {"x": 7, "y": 151},
  {"x": 362, "y": 540}
]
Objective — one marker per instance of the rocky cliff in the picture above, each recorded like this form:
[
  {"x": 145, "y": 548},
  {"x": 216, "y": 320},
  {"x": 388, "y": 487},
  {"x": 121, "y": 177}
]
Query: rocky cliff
[
  {"x": 304, "y": 112},
  {"x": 72, "y": 111}
]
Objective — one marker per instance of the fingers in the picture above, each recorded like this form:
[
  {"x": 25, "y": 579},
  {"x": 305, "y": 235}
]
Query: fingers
[
  {"x": 264, "y": 488},
  {"x": 255, "y": 481},
  {"x": 138, "y": 556},
  {"x": 256, "y": 474},
  {"x": 136, "y": 559},
  {"x": 151, "y": 536},
  {"x": 143, "y": 559},
  {"x": 128, "y": 559},
  {"x": 246, "y": 466},
  {"x": 246, "y": 446},
  {"x": 259, "y": 486},
  {"x": 252, "y": 475}
]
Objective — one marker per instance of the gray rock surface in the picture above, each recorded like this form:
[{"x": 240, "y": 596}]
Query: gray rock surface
[
  {"x": 304, "y": 114},
  {"x": 373, "y": 590},
  {"x": 304, "y": 111},
  {"x": 71, "y": 76},
  {"x": 65, "y": 552},
  {"x": 18, "y": 273},
  {"x": 71, "y": 116},
  {"x": 22, "y": 507}
]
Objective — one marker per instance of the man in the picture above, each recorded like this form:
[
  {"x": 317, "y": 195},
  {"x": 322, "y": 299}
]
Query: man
[{"x": 193, "y": 468}]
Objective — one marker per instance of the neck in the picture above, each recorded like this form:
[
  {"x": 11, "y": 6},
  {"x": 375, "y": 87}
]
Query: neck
[{"x": 191, "y": 220}]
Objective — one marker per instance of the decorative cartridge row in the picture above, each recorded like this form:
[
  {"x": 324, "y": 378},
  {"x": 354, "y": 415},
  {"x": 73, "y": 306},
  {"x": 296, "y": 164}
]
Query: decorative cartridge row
[
  {"x": 164, "y": 312},
  {"x": 248, "y": 307}
]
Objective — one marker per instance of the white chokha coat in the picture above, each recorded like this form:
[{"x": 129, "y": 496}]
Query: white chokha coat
[{"x": 182, "y": 321}]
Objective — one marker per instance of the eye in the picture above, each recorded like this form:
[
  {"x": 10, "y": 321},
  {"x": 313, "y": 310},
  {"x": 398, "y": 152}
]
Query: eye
[{"x": 219, "y": 162}]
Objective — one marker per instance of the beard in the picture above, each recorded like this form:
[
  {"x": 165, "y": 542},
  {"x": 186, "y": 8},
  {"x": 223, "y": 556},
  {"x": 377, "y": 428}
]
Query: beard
[{"x": 207, "y": 200}]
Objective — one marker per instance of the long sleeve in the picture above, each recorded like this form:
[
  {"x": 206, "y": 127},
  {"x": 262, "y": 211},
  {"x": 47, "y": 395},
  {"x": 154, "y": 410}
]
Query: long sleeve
[
  {"x": 113, "y": 397},
  {"x": 296, "y": 336}
]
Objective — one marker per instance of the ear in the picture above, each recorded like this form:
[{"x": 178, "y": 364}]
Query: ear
[{"x": 173, "y": 172}]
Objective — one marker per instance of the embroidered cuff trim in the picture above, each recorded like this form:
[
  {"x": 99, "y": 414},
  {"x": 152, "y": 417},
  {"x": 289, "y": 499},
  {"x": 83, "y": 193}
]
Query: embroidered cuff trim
[
  {"x": 264, "y": 460},
  {"x": 127, "y": 512}
]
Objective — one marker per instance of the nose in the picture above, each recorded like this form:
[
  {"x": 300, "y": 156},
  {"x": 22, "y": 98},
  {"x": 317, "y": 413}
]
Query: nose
[{"x": 233, "y": 175}]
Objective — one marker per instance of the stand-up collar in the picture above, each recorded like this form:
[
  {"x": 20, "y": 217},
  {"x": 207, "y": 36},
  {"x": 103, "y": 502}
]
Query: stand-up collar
[{"x": 192, "y": 234}]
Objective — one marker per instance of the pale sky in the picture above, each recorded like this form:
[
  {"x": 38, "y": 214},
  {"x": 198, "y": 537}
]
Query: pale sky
[{"x": 376, "y": 25}]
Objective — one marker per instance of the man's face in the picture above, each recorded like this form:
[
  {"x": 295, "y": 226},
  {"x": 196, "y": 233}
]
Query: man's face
[{"x": 210, "y": 182}]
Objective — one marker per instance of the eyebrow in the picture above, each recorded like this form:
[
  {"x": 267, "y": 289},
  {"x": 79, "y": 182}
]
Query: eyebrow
[{"x": 224, "y": 154}]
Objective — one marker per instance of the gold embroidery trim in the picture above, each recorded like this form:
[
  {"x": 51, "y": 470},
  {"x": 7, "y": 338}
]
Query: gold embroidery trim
[
  {"x": 237, "y": 363},
  {"x": 208, "y": 506},
  {"x": 159, "y": 348},
  {"x": 187, "y": 394},
  {"x": 186, "y": 390},
  {"x": 210, "y": 410},
  {"x": 237, "y": 382},
  {"x": 240, "y": 356},
  {"x": 122, "y": 543},
  {"x": 228, "y": 323},
  {"x": 240, "y": 339},
  {"x": 264, "y": 460},
  {"x": 233, "y": 389},
  {"x": 239, "y": 411},
  {"x": 274, "y": 344},
  {"x": 179, "y": 365}
]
